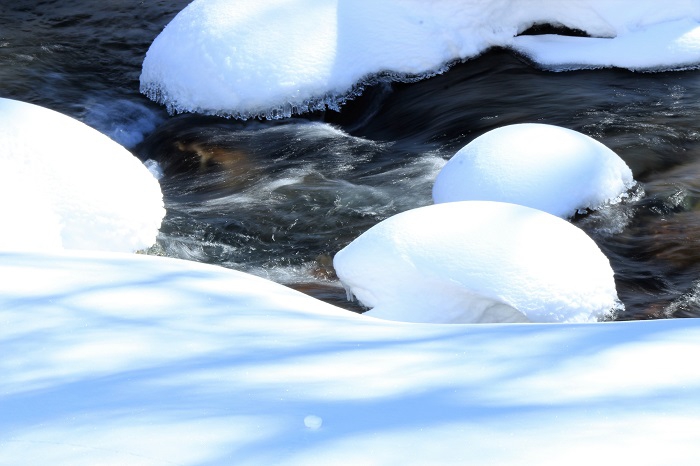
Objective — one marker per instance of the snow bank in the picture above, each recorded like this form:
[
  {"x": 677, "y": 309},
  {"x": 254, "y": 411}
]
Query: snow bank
[
  {"x": 668, "y": 45},
  {"x": 65, "y": 185},
  {"x": 545, "y": 167},
  {"x": 139, "y": 360},
  {"x": 478, "y": 261},
  {"x": 275, "y": 58}
]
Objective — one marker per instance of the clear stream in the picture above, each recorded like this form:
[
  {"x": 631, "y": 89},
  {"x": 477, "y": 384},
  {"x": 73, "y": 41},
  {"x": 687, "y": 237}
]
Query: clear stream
[{"x": 279, "y": 198}]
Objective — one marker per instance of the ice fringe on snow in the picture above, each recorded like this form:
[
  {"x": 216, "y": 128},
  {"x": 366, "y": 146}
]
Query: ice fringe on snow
[
  {"x": 279, "y": 57},
  {"x": 65, "y": 185},
  {"x": 545, "y": 167},
  {"x": 478, "y": 261}
]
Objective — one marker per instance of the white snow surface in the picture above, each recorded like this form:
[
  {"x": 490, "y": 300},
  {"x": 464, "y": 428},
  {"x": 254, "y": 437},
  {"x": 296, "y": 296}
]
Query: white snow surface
[
  {"x": 650, "y": 47},
  {"x": 249, "y": 58},
  {"x": 545, "y": 167},
  {"x": 115, "y": 359},
  {"x": 478, "y": 261},
  {"x": 65, "y": 185}
]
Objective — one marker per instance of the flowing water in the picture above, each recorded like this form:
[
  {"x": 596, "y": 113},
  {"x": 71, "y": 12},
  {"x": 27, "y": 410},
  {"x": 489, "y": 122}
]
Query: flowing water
[{"x": 279, "y": 198}]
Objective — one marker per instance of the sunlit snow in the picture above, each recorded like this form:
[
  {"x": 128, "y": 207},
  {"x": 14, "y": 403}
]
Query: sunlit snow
[
  {"x": 65, "y": 185},
  {"x": 652, "y": 47},
  {"x": 275, "y": 58},
  {"x": 478, "y": 261},
  {"x": 546, "y": 167},
  {"x": 127, "y": 359},
  {"x": 113, "y": 358}
]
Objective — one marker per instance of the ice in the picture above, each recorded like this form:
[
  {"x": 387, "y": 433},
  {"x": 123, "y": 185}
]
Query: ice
[
  {"x": 65, "y": 185},
  {"x": 545, "y": 167},
  {"x": 154, "y": 168},
  {"x": 276, "y": 58},
  {"x": 478, "y": 261}
]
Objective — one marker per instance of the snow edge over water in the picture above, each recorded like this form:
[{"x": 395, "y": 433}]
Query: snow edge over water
[{"x": 282, "y": 58}]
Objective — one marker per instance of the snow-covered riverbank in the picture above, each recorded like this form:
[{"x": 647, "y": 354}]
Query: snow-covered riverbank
[{"x": 127, "y": 359}]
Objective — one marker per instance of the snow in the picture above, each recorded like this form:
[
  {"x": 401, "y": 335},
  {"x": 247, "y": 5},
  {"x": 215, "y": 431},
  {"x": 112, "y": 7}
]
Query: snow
[
  {"x": 313, "y": 422},
  {"x": 669, "y": 45},
  {"x": 545, "y": 167},
  {"x": 112, "y": 358},
  {"x": 281, "y": 57},
  {"x": 478, "y": 261},
  {"x": 65, "y": 185}
]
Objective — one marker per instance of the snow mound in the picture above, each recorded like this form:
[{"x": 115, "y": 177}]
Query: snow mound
[
  {"x": 545, "y": 167},
  {"x": 279, "y": 57},
  {"x": 65, "y": 185},
  {"x": 478, "y": 261}
]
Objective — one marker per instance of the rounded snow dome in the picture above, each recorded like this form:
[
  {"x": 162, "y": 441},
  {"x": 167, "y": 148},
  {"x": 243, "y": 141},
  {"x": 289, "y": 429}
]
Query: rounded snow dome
[
  {"x": 546, "y": 167},
  {"x": 66, "y": 185},
  {"x": 478, "y": 261}
]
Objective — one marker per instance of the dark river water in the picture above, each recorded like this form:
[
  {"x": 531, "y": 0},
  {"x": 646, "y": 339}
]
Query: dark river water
[{"x": 279, "y": 198}]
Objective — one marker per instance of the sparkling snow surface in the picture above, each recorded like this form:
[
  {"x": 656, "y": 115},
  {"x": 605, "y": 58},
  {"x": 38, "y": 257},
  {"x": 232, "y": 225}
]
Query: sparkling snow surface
[
  {"x": 545, "y": 167},
  {"x": 250, "y": 58},
  {"x": 478, "y": 261},
  {"x": 65, "y": 185},
  {"x": 126, "y": 359}
]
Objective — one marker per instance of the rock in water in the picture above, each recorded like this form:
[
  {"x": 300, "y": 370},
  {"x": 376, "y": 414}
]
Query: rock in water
[
  {"x": 546, "y": 167},
  {"x": 478, "y": 261}
]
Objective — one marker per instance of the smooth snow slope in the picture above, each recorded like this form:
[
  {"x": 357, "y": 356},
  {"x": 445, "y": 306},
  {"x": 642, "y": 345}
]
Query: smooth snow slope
[
  {"x": 249, "y": 58},
  {"x": 125, "y": 359}
]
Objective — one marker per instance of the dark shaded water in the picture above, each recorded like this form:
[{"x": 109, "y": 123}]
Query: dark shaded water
[{"x": 279, "y": 198}]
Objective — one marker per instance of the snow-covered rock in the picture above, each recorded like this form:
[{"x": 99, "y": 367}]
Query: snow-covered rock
[
  {"x": 546, "y": 167},
  {"x": 274, "y": 58},
  {"x": 65, "y": 185},
  {"x": 478, "y": 261}
]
